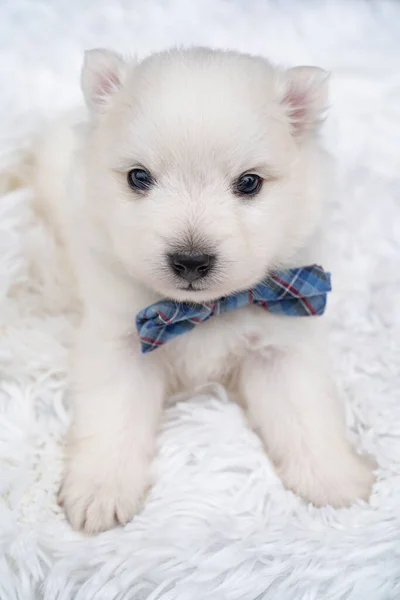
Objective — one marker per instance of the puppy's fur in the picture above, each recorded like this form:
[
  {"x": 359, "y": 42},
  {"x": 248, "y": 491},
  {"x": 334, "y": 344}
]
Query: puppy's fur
[{"x": 196, "y": 120}]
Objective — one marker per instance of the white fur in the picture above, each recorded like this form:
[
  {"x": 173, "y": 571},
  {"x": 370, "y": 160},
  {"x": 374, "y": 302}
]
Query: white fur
[{"x": 196, "y": 120}]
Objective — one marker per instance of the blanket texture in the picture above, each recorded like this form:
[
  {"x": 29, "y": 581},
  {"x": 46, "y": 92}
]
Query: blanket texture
[{"x": 218, "y": 524}]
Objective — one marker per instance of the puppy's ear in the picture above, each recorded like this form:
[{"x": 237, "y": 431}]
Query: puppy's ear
[
  {"x": 304, "y": 94},
  {"x": 102, "y": 75}
]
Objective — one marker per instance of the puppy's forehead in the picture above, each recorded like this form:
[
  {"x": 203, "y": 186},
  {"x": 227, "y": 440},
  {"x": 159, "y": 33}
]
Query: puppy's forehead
[{"x": 203, "y": 110}]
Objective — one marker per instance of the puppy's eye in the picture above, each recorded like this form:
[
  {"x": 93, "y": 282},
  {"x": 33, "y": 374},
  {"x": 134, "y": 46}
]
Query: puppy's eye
[
  {"x": 140, "y": 180},
  {"x": 248, "y": 185}
]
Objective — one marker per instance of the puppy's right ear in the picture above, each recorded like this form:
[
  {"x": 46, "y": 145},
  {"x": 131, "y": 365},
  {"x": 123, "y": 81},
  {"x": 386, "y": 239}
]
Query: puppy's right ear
[{"x": 103, "y": 72}]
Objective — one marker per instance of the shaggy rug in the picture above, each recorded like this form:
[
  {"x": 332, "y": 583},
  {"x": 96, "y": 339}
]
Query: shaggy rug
[{"x": 218, "y": 524}]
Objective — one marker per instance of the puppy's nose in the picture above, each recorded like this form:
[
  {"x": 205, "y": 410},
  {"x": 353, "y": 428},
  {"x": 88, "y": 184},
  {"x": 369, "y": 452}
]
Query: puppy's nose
[{"x": 191, "y": 265}]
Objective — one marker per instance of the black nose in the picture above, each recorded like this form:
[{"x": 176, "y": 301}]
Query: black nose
[{"x": 191, "y": 265}]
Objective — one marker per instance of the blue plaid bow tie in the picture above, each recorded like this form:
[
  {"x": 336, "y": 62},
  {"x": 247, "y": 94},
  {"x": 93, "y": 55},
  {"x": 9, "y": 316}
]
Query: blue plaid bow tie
[{"x": 293, "y": 292}]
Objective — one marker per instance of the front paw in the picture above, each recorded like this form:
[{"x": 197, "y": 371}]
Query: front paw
[
  {"x": 100, "y": 490},
  {"x": 337, "y": 481}
]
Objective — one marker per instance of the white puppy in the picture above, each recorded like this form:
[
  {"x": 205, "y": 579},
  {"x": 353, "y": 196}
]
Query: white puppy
[{"x": 204, "y": 154}]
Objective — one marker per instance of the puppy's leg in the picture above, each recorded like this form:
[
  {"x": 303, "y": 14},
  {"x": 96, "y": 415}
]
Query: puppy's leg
[
  {"x": 117, "y": 401},
  {"x": 292, "y": 404}
]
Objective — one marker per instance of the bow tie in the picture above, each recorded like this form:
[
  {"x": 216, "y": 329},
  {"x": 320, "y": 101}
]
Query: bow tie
[{"x": 292, "y": 292}]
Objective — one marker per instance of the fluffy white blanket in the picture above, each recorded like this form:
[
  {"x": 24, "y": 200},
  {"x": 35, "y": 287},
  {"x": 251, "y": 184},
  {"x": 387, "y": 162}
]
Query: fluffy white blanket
[{"x": 218, "y": 525}]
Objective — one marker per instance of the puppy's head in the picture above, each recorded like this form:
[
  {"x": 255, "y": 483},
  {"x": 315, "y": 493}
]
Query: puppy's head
[{"x": 202, "y": 166}]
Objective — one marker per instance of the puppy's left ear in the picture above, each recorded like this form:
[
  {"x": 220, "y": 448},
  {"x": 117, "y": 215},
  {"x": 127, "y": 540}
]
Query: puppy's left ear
[
  {"x": 103, "y": 73},
  {"x": 304, "y": 94}
]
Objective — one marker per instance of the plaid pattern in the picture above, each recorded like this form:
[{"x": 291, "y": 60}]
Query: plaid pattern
[{"x": 293, "y": 292}]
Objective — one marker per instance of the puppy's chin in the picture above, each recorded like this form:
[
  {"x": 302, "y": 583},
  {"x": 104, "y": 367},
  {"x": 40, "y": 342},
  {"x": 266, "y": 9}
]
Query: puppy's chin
[{"x": 193, "y": 295}]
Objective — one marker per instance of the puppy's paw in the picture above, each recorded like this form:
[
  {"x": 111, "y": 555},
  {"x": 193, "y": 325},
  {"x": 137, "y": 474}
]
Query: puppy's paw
[
  {"x": 98, "y": 493},
  {"x": 337, "y": 481}
]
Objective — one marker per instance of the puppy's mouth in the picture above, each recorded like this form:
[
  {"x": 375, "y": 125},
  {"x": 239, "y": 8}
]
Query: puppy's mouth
[
  {"x": 193, "y": 293},
  {"x": 208, "y": 289},
  {"x": 190, "y": 288}
]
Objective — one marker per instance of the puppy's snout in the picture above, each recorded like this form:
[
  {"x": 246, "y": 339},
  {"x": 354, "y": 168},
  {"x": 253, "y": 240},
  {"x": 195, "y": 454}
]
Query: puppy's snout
[{"x": 191, "y": 266}]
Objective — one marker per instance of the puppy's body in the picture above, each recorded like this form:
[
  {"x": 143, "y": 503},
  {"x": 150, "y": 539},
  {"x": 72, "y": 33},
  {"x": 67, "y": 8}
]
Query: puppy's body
[{"x": 196, "y": 121}]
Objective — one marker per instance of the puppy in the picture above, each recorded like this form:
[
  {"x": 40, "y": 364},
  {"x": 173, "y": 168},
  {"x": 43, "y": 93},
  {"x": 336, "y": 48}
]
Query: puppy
[{"x": 205, "y": 154}]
